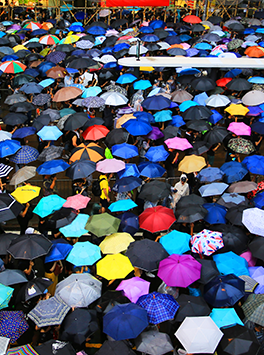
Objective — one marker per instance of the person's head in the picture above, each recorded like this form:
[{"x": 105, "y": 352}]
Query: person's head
[{"x": 183, "y": 179}]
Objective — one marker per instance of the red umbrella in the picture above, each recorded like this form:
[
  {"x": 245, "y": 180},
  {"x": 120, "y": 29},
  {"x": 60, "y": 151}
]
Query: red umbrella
[
  {"x": 156, "y": 219},
  {"x": 192, "y": 19},
  {"x": 223, "y": 81},
  {"x": 95, "y": 132}
]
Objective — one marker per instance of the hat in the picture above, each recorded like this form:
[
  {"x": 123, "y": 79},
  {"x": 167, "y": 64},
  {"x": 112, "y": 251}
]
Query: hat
[{"x": 183, "y": 177}]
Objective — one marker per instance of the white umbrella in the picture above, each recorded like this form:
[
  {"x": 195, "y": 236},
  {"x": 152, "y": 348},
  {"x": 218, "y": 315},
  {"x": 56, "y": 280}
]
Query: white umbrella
[
  {"x": 23, "y": 174},
  {"x": 133, "y": 50},
  {"x": 253, "y": 98},
  {"x": 217, "y": 101},
  {"x": 4, "y": 135},
  {"x": 79, "y": 290},
  {"x": 253, "y": 219},
  {"x": 163, "y": 45},
  {"x": 199, "y": 335},
  {"x": 107, "y": 58},
  {"x": 104, "y": 13},
  {"x": 114, "y": 98}
]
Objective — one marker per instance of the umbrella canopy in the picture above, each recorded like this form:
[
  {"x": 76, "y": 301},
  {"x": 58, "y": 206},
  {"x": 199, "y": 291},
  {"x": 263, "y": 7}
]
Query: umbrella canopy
[
  {"x": 88, "y": 151},
  {"x": 21, "y": 350},
  {"x": 66, "y": 93},
  {"x": 225, "y": 317},
  {"x": 116, "y": 243},
  {"x": 215, "y": 188},
  {"x": 5, "y": 295},
  {"x": 48, "y": 205},
  {"x": 210, "y": 174},
  {"x": 153, "y": 342},
  {"x": 102, "y": 224},
  {"x": 84, "y": 253},
  {"x": 191, "y": 306},
  {"x": 206, "y": 242},
  {"x": 122, "y": 205},
  {"x": 156, "y": 219},
  {"x": 61, "y": 348},
  {"x": 12, "y": 325},
  {"x": 234, "y": 171},
  {"x": 191, "y": 163},
  {"x": 52, "y": 167},
  {"x": 253, "y": 308},
  {"x": 155, "y": 190},
  {"x": 175, "y": 242},
  {"x": 110, "y": 166},
  {"x": 11, "y": 277},
  {"x": 199, "y": 335},
  {"x": 33, "y": 288},
  {"x": 9, "y": 207},
  {"x": 231, "y": 263},
  {"x": 252, "y": 218},
  {"x": 115, "y": 266},
  {"x": 27, "y": 193},
  {"x": 134, "y": 288}
]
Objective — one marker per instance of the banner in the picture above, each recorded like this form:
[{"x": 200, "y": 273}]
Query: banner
[{"x": 136, "y": 3}]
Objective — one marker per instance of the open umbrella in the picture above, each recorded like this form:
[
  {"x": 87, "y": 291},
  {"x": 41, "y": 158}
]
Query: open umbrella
[
  {"x": 115, "y": 266},
  {"x": 153, "y": 342},
  {"x": 252, "y": 220},
  {"x": 191, "y": 163},
  {"x": 33, "y": 288},
  {"x": 102, "y": 224},
  {"x": 155, "y": 190},
  {"x": 134, "y": 288},
  {"x": 156, "y": 219},
  {"x": 84, "y": 253},
  {"x": 25, "y": 155},
  {"x": 191, "y": 306},
  {"x": 24, "y": 194},
  {"x": 88, "y": 151},
  {"x": 66, "y": 93},
  {"x": 9, "y": 207},
  {"x": 229, "y": 262},
  {"x": 52, "y": 167},
  {"x": 61, "y": 348},
  {"x": 206, "y": 242},
  {"x": 215, "y": 188},
  {"x": 12, "y": 324}
]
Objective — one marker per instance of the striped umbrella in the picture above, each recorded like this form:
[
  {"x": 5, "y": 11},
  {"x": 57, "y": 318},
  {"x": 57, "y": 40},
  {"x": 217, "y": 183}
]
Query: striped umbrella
[
  {"x": 12, "y": 67},
  {"x": 207, "y": 242},
  {"x": 49, "y": 40},
  {"x": 33, "y": 26},
  {"x": 89, "y": 151},
  {"x": 25, "y": 155},
  {"x": 5, "y": 170},
  {"x": 22, "y": 350}
]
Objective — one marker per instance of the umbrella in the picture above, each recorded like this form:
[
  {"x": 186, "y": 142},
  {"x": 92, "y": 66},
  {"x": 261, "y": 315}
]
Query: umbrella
[
  {"x": 88, "y": 151},
  {"x": 25, "y": 194},
  {"x": 253, "y": 308},
  {"x": 137, "y": 127},
  {"x": 50, "y": 153},
  {"x": 175, "y": 242},
  {"x": 114, "y": 98},
  {"x": 33, "y": 288},
  {"x": 234, "y": 171},
  {"x": 34, "y": 246},
  {"x": 128, "y": 223},
  {"x": 225, "y": 317},
  {"x": 41, "y": 99},
  {"x": 151, "y": 170},
  {"x": 76, "y": 202},
  {"x": 59, "y": 250},
  {"x": 255, "y": 164},
  {"x": 134, "y": 288},
  {"x": 74, "y": 225},
  {"x": 95, "y": 132},
  {"x": 49, "y": 312},
  {"x": 160, "y": 307},
  {"x": 5, "y": 170},
  {"x": 24, "y": 132},
  {"x": 102, "y": 224},
  {"x": 239, "y": 128},
  {"x": 21, "y": 350},
  {"x": 116, "y": 136},
  {"x": 12, "y": 325},
  {"x": 199, "y": 335},
  {"x": 203, "y": 83},
  {"x": 31, "y": 88},
  {"x": 75, "y": 121},
  {"x": 179, "y": 270},
  {"x": 196, "y": 112},
  {"x": 48, "y": 205},
  {"x": 12, "y": 67},
  {"x": 234, "y": 214},
  {"x": 23, "y": 174},
  {"x": 61, "y": 218},
  {"x": 155, "y": 190},
  {"x": 178, "y": 143},
  {"x": 191, "y": 306},
  {"x": 9, "y": 147},
  {"x": 25, "y": 155},
  {"x": 9, "y": 207},
  {"x": 251, "y": 219},
  {"x": 229, "y": 262},
  {"x": 115, "y": 243},
  {"x": 110, "y": 166},
  {"x": 66, "y": 93},
  {"x": 84, "y": 253},
  {"x": 115, "y": 347},
  {"x": 237, "y": 110},
  {"x": 60, "y": 347},
  {"x": 115, "y": 266},
  {"x": 239, "y": 84},
  {"x": 125, "y": 151},
  {"x": 206, "y": 242},
  {"x": 79, "y": 290},
  {"x": 5, "y": 295},
  {"x": 191, "y": 199},
  {"x": 191, "y": 163},
  {"x": 122, "y": 205},
  {"x": 126, "y": 183},
  {"x": 215, "y": 135},
  {"x": 215, "y": 188},
  {"x": 157, "y": 154},
  {"x": 217, "y": 101},
  {"x": 156, "y": 103},
  {"x": 224, "y": 291},
  {"x": 52, "y": 167},
  {"x": 130, "y": 170},
  {"x": 49, "y": 133},
  {"x": 190, "y": 214},
  {"x": 125, "y": 321},
  {"x": 242, "y": 186},
  {"x": 251, "y": 98},
  {"x": 210, "y": 174},
  {"x": 153, "y": 342},
  {"x": 156, "y": 219}
]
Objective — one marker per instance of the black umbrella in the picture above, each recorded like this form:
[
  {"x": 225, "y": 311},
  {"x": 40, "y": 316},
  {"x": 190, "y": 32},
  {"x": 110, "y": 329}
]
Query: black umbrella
[
  {"x": 9, "y": 207},
  {"x": 204, "y": 83},
  {"x": 75, "y": 121},
  {"x": 185, "y": 79},
  {"x": 211, "y": 37},
  {"x": 118, "y": 23},
  {"x": 235, "y": 213},
  {"x": 208, "y": 271},
  {"x": 239, "y": 84},
  {"x": 66, "y": 48},
  {"x": 215, "y": 19},
  {"x": 12, "y": 277},
  {"x": 22, "y": 53},
  {"x": 259, "y": 14},
  {"x": 216, "y": 135},
  {"x": 257, "y": 247},
  {"x": 97, "y": 23},
  {"x": 79, "y": 325},
  {"x": 89, "y": 38},
  {"x": 176, "y": 51},
  {"x": 127, "y": 183},
  {"x": 199, "y": 147},
  {"x": 22, "y": 79},
  {"x": 22, "y": 107},
  {"x": 116, "y": 136},
  {"x": 152, "y": 47},
  {"x": 61, "y": 218},
  {"x": 146, "y": 254},
  {"x": 55, "y": 347},
  {"x": 107, "y": 74},
  {"x": 191, "y": 306},
  {"x": 92, "y": 122},
  {"x": 81, "y": 63},
  {"x": 29, "y": 246},
  {"x": 237, "y": 27},
  {"x": 4, "y": 42},
  {"x": 238, "y": 340},
  {"x": 199, "y": 125},
  {"x": 118, "y": 347},
  {"x": 33, "y": 288},
  {"x": 33, "y": 56},
  {"x": 15, "y": 98},
  {"x": 110, "y": 299},
  {"x": 13, "y": 118},
  {"x": 190, "y": 214},
  {"x": 123, "y": 52},
  {"x": 81, "y": 169},
  {"x": 50, "y": 153},
  {"x": 170, "y": 132},
  {"x": 198, "y": 28},
  {"x": 161, "y": 33},
  {"x": 41, "y": 121},
  {"x": 155, "y": 190},
  {"x": 5, "y": 241},
  {"x": 191, "y": 199},
  {"x": 197, "y": 113}
]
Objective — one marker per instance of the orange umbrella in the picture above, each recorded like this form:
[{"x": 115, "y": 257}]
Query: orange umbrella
[
  {"x": 67, "y": 93},
  {"x": 95, "y": 132},
  {"x": 176, "y": 46},
  {"x": 192, "y": 19},
  {"x": 123, "y": 119},
  {"x": 88, "y": 151},
  {"x": 47, "y": 26},
  {"x": 254, "y": 52}
]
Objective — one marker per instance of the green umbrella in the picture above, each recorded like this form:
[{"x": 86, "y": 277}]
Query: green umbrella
[{"x": 102, "y": 224}]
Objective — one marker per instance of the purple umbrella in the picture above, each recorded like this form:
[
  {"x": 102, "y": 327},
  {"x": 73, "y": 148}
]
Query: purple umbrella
[
  {"x": 155, "y": 134},
  {"x": 14, "y": 27},
  {"x": 125, "y": 110},
  {"x": 179, "y": 270},
  {"x": 134, "y": 288},
  {"x": 257, "y": 273}
]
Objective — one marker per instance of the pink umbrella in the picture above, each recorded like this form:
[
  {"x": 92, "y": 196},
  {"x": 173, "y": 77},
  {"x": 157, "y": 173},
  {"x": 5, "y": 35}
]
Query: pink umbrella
[
  {"x": 134, "y": 288},
  {"x": 249, "y": 258},
  {"x": 110, "y": 166},
  {"x": 239, "y": 128},
  {"x": 77, "y": 202},
  {"x": 179, "y": 270},
  {"x": 178, "y": 143}
]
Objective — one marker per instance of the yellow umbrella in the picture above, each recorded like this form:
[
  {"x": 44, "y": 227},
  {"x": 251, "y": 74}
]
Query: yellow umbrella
[
  {"x": 19, "y": 48},
  {"x": 146, "y": 68},
  {"x": 115, "y": 266},
  {"x": 26, "y": 193},
  {"x": 237, "y": 110},
  {"x": 191, "y": 163},
  {"x": 70, "y": 39},
  {"x": 115, "y": 243},
  {"x": 124, "y": 119}
]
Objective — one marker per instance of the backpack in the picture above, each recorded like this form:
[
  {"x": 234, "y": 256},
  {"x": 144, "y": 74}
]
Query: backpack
[{"x": 96, "y": 189}]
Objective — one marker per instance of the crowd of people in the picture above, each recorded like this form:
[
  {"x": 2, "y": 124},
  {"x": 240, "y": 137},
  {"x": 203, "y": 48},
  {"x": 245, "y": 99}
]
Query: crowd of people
[{"x": 158, "y": 246}]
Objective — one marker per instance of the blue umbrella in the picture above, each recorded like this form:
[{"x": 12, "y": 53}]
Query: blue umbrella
[
  {"x": 49, "y": 133},
  {"x": 39, "y": 32},
  {"x": 59, "y": 250},
  {"x": 96, "y": 30},
  {"x": 137, "y": 127},
  {"x": 210, "y": 174},
  {"x": 120, "y": 46},
  {"x": 156, "y": 154},
  {"x": 215, "y": 117},
  {"x": 234, "y": 171},
  {"x": 256, "y": 80},
  {"x": 126, "y": 79},
  {"x": 84, "y": 253},
  {"x": 144, "y": 116},
  {"x": 129, "y": 223},
  {"x": 31, "y": 88},
  {"x": 187, "y": 104},
  {"x": 203, "y": 45},
  {"x": 125, "y": 321},
  {"x": 124, "y": 150},
  {"x": 91, "y": 91},
  {"x": 224, "y": 291},
  {"x": 76, "y": 228},
  {"x": 189, "y": 71},
  {"x": 176, "y": 242},
  {"x": 44, "y": 67},
  {"x": 25, "y": 155},
  {"x": 142, "y": 85},
  {"x": 157, "y": 24},
  {"x": 200, "y": 98},
  {"x": 130, "y": 170},
  {"x": 56, "y": 57},
  {"x": 127, "y": 183},
  {"x": 122, "y": 205},
  {"x": 232, "y": 198},
  {"x": 7, "y": 50},
  {"x": 233, "y": 73},
  {"x": 47, "y": 82},
  {"x": 52, "y": 167},
  {"x": 163, "y": 116},
  {"x": 9, "y": 57},
  {"x": 225, "y": 317},
  {"x": 146, "y": 29},
  {"x": 259, "y": 200},
  {"x": 76, "y": 28},
  {"x": 150, "y": 38},
  {"x": 9, "y": 147},
  {"x": 151, "y": 170},
  {"x": 160, "y": 307},
  {"x": 31, "y": 72},
  {"x": 216, "y": 213},
  {"x": 5, "y": 295},
  {"x": 156, "y": 103},
  {"x": 191, "y": 52},
  {"x": 255, "y": 164},
  {"x": 110, "y": 65},
  {"x": 216, "y": 188},
  {"x": 177, "y": 121},
  {"x": 231, "y": 263},
  {"x": 24, "y": 132},
  {"x": 48, "y": 205},
  {"x": 65, "y": 8}
]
